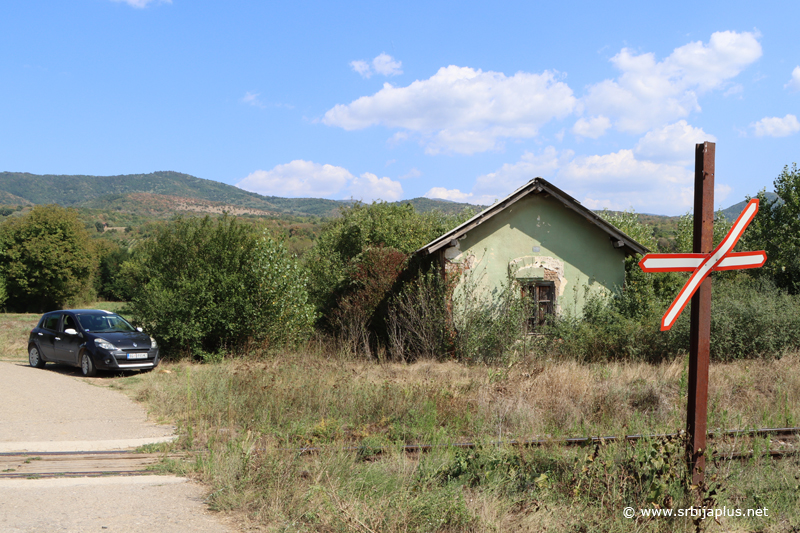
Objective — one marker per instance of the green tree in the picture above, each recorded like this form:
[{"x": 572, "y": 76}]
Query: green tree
[
  {"x": 46, "y": 259},
  {"x": 3, "y": 293},
  {"x": 776, "y": 230},
  {"x": 628, "y": 222},
  {"x": 684, "y": 240},
  {"x": 203, "y": 286},
  {"x": 645, "y": 294},
  {"x": 110, "y": 257}
]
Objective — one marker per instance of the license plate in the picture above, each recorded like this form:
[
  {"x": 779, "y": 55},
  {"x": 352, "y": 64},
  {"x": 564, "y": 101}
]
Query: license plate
[{"x": 137, "y": 356}]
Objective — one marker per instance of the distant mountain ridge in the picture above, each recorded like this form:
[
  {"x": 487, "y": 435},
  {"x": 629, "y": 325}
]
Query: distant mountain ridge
[
  {"x": 159, "y": 193},
  {"x": 733, "y": 212},
  {"x": 170, "y": 190}
]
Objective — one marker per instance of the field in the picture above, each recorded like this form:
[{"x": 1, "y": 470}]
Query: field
[{"x": 247, "y": 426}]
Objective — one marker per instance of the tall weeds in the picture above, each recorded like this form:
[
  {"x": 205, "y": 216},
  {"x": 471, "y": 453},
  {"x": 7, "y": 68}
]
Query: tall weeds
[{"x": 251, "y": 419}]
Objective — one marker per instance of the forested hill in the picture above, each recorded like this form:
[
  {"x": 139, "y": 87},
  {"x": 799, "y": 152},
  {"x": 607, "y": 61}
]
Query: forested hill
[{"x": 126, "y": 191}]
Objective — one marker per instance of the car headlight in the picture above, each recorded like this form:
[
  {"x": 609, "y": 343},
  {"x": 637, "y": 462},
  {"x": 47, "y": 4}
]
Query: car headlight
[
  {"x": 153, "y": 343},
  {"x": 104, "y": 344}
]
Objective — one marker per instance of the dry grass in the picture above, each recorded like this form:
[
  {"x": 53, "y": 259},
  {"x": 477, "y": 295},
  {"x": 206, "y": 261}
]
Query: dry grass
[
  {"x": 15, "y": 328},
  {"x": 252, "y": 416}
]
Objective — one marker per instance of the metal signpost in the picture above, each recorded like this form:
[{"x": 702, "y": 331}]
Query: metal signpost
[{"x": 701, "y": 263}]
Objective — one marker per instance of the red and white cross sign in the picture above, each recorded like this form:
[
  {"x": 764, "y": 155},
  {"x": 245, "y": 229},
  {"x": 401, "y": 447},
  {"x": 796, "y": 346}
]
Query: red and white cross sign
[{"x": 701, "y": 265}]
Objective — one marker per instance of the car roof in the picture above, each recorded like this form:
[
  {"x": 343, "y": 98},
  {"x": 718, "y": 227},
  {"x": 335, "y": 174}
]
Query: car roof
[{"x": 84, "y": 311}]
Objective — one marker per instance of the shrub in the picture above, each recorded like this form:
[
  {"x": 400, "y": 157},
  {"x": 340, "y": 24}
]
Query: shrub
[
  {"x": 358, "y": 258},
  {"x": 488, "y": 332},
  {"x": 749, "y": 318},
  {"x": 332, "y": 263},
  {"x": 374, "y": 272},
  {"x": 201, "y": 287},
  {"x": 47, "y": 259},
  {"x": 418, "y": 320}
]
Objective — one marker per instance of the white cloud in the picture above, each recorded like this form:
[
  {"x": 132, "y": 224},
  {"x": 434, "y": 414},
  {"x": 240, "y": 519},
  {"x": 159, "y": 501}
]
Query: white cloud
[
  {"x": 387, "y": 65},
  {"x": 621, "y": 170},
  {"x": 736, "y": 88},
  {"x": 413, "y": 173},
  {"x": 253, "y": 100},
  {"x": 460, "y": 109},
  {"x": 776, "y": 126},
  {"x": 616, "y": 180},
  {"x": 362, "y": 67},
  {"x": 673, "y": 143},
  {"x": 369, "y": 187},
  {"x": 594, "y": 127},
  {"x": 142, "y": 3},
  {"x": 298, "y": 178},
  {"x": 721, "y": 192},
  {"x": 383, "y": 64},
  {"x": 794, "y": 83},
  {"x": 649, "y": 93},
  {"x": 509, "y": 177},
  {"x": 455, "y": 195},
  {"x": 308, "y": 179},
  {"x": 619, "y": 180}
]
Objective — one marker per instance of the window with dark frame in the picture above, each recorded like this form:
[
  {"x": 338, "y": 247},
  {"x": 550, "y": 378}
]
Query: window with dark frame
[{"x": 542, "y": 298}]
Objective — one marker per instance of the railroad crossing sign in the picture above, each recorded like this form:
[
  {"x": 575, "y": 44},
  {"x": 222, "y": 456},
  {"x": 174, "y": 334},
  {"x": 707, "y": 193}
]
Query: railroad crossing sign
[{"x": 701, "y": 265}]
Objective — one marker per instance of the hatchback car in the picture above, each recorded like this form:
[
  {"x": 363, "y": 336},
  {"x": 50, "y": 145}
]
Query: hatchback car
[{"x": 91, "y": 339}]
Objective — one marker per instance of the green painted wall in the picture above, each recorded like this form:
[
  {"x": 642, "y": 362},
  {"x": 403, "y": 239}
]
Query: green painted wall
[{"x": 571, "y": 250}]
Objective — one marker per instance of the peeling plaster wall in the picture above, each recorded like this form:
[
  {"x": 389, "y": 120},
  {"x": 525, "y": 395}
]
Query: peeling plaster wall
[{"x": 538, "y": 236}]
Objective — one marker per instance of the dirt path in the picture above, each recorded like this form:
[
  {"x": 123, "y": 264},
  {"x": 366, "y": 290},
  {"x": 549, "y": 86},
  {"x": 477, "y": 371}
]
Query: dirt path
[{"x": 49, "y": 411}]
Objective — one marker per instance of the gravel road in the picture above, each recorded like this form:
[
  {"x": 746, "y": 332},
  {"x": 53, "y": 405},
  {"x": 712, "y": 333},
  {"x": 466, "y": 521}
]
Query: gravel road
[{"x": 50, "y": 410}]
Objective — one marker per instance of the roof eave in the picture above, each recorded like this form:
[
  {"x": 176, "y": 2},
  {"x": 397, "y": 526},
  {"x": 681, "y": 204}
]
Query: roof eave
[{"x": 536, "y": 185}]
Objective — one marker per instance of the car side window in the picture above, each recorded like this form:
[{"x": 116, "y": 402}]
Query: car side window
[
  {"x": 69, "y": 322},
  {"x": 51, "y": 322}
]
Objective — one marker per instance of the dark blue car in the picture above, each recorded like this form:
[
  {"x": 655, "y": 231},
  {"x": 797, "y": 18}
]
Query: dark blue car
[{"x": 91, "y": 339}]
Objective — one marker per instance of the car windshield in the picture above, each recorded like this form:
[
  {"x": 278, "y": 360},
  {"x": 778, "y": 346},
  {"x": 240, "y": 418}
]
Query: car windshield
[{"x": 104, "y": 323}]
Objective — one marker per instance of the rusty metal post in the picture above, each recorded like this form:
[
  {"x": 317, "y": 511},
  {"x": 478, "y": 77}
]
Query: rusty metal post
[{"x": 700, "y": 332}]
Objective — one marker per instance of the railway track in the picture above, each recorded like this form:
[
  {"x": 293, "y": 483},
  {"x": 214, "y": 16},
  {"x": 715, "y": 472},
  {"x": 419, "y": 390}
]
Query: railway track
[
  {"x": 32, "y": 465},
  {"x": 783, "y": 442}
]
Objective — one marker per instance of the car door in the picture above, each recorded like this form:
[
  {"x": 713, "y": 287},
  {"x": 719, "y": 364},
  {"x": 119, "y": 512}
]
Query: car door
[
  {"x": 46, "y": 336},
  {"x": 67, "y": 346}
]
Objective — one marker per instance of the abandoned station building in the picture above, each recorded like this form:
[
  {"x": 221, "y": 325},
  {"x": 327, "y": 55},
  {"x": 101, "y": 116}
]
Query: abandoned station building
[{"x": 544, "y": 242}]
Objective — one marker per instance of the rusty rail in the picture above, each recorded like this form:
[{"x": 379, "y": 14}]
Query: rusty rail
[{"x": 571, "y": 441}]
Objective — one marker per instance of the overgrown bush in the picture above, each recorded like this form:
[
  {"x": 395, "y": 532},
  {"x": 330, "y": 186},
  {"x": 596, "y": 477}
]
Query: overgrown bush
[
  {"x": 374, "y": 273},
  {"x": 358, "y": 258},
  {"x": 202, "y": 287},
  {"x": 489, "y": 327},
  {"x": 46, "y": 259},
  {"x": 749, "y": 318},
  {"x": 419, "y": 325}
]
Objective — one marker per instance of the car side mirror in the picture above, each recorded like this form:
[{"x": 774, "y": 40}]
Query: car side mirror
[
  {"x": 70, "y": 331},
  {"x": 139, "y": 329}
]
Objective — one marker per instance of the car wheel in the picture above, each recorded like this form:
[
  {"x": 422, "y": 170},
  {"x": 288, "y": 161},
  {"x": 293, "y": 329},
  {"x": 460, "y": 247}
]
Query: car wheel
[
  {"x": 87, "y": 367},
  {"x": 35, "y": 358}
]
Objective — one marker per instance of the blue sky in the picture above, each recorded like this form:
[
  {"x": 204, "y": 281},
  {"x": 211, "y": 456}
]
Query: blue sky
[{"x": 457, "y": 100}]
